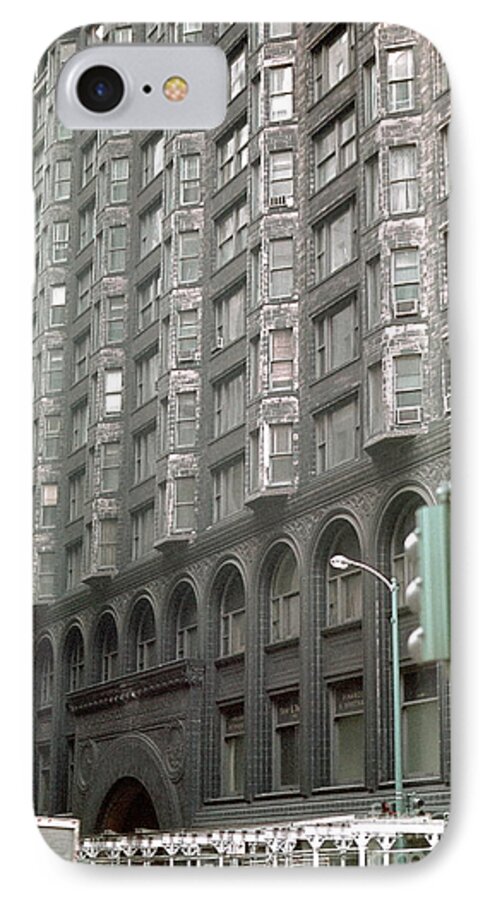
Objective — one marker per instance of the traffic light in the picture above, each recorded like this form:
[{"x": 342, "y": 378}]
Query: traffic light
[{"x": 428, "y": 593}]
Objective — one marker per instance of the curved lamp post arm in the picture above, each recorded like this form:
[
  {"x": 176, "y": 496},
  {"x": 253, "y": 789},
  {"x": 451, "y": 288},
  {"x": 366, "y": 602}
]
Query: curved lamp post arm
[{"x": 343, "y": 562}]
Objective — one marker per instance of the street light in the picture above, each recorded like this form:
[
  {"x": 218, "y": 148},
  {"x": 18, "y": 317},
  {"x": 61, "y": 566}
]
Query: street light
[{"x": 343, "y": 562}]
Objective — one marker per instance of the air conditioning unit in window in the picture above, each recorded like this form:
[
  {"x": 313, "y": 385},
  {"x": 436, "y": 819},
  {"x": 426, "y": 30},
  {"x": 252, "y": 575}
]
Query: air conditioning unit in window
[
  {"x": 406, "y": 307},
  {"x": 186, "y": 355},
  {"x": 408, "y": 415},
  {"x": 281, "y": 200},
  {"x": 220, "y": 343}
]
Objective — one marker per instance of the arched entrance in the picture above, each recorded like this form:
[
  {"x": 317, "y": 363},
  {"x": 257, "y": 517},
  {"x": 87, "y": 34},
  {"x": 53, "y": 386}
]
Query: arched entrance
[{"x": 126, "y": 807}]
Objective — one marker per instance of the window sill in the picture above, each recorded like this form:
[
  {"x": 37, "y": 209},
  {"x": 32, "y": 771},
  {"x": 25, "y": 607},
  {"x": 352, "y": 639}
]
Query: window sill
[
  {"x": 277, "y": 646},
  {"x": 222, "y": 662},
  {"x": 342, "y": 627}
]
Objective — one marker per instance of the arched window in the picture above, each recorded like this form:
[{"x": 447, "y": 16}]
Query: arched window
[
  {"x": 232, "y": 614},
  {"x": 186, "y": 629},
  {"x": 404, "y": 523},
  {"x": 284, "y": 597},
  {"x": 75, "y": 660},
  {"x": 106, "y": 649},
  {"x": 45, "y": 671},
  {"x": 142, "y": 643},
  {"x": 344, "y": 586}
]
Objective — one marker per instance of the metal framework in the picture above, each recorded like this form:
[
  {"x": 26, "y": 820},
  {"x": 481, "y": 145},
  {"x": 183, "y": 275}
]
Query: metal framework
[{"x": 345, "y": 842}]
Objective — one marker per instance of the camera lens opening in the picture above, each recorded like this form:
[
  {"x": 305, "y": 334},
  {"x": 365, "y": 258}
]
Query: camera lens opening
[{"x": 100, "y": 89}]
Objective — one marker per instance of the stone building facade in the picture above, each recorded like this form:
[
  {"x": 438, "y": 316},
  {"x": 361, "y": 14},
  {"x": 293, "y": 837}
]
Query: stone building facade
[{"x": 240, "y": 368}]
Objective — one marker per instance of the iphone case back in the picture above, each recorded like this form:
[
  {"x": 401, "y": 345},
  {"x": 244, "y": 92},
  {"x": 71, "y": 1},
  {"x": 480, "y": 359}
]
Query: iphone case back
[{"x": 241, "y": 412}]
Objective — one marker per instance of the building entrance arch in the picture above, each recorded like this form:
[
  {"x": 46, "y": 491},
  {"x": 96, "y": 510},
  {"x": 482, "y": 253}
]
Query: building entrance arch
[{"x": 126, "y": 807}]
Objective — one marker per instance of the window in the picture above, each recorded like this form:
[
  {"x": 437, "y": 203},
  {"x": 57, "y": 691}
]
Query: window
[
  {"x": 146, "y": 372},
  {"x": 107, "y": 648},
  {"x": 408, "y": 389},
  {"x": 185, "y": 420},
  {"x": 79, "y": 425},
  {"x": 229, "y": 403},
  {"x": 281, "y": 359},
  {"x": 229, "y": 317},
  {"x": 256, "y": 104},
  {"x": 188, "y": 256},
  {"x": 45, "y": 671},
  {"x": 84, "y": 289},
  {"x": 446, "y": 376},
  {"x": 187, "y": 624},
  {"x": 280, "y": 29},
  {"x": 280, "y": 454},
  {"x": 331, "y": 63},
  {"x": 420, "y": 719},
  {"x": 336, "y": 433},
  {"x": 255, "y": 276},
  {"x": 231, "y": 233},
  {"x": 444, "y": 151},
  {"x": 256, "y": 35},
  {"x": 43, "y": 772},
  {"x": 232, "y": 611},
  {"x": 344, "y": 586},
  {"x": 255, "y": 368},
  {"x": 144, "y": 454},
  {"x": 113, "y": 391},
  {"x": 191, "y": 32},
  {"x": 62, "y": 179},
  {"x": 46, "y": 574},
  {"x": 375, "y": 399},
  {"x": 233, "y": 743},
  {"x": 61, "y": 241},
  {"x": 281, "y": 274},
  {"x": 373, "y": 291},
  {"x": 57, "y": 307},
  {"x": 168, "y": 198},
  {"x": 405, "y": 281},
  {"x": 74, "y": 558},
  {"x": 147, "y": 297},
  {"x": 117, "y": 248},
  {"x": 187, "y": 334},
  {"x": 115, "y": 319},
  {"x": 54, "y": 373},
  {"x": 110, "y": 464},
  {"x": 400, "y": 80},
  {"x": 190, "y": 175},
  {"x": 334, "y": 242},
  {"x": 285, "y": 765},
  {"x": 76, "y": 489},
  {"x": 238, "y": 73},
  {"x": 280, "y": 93},
  {"x": 142, "y": 532},
  {"x": 74, "y": 660},
  {"x": 404, "y": 524},
  {"x": 371, "y": 184},
  {"x": 150, "y": 230},
  {"x": 88, "y": 162},
  {"x": 49, "y": 504},
  {"x": 369, "y": 77},
  {"x": 254, "y": 460},
  {"x": 144, "y": 637},
  {"x": 81, "y": 350},
  {"x": 404, "y": 195},
  {"x": 228, "y": 489},
  {"x": 285, "y": 598},
  {"x": 281, "y": 175},
  {"x": 151, "y": 159},
  {"x": 348, "y": 732},
  {"x": 119, "y": 179},
  {"x": 232, "y": 152},
  {"x": 255, "y": 188},
  {"x": 52, "y": 435},
  {"x": 335, "y": 148},
  {"x": 335, "y": 337},
  {"x": 185, "y": 503}
]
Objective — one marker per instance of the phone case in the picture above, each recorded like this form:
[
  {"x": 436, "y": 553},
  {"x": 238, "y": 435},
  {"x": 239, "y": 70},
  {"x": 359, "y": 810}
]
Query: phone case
[{"x": 241, "y": 413}]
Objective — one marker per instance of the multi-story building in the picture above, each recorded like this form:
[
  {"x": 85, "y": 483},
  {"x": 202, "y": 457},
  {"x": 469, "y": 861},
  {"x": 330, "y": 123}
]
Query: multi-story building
[{"x": 241, "y": 368}]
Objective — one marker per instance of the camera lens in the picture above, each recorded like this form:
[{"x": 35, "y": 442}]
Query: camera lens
[{"x": 100, "y": 89}]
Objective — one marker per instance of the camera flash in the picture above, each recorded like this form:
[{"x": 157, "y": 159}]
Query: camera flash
[{"x": 175, "y": 88}]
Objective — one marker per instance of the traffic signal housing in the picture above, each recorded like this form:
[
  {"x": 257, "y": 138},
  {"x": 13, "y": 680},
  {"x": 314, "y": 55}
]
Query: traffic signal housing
[{"x": 427, "y": 594}]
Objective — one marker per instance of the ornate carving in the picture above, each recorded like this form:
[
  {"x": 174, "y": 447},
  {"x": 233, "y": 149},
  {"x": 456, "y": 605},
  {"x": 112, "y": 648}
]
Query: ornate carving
[
  {"x": 174, "y": 749},
  {"x": 88, "y": 754}
]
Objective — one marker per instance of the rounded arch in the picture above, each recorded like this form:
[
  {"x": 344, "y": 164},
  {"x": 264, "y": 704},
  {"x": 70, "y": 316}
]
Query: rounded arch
[
  {"x": 111, "y": 790},
  {"x": 396, "y": 521},
  {"x": 228, "y": 602},
  {"x": 141, "y": 652},
  {"x": 105, "y": 648},
  {"x": 280, "y": 591},
  {"x": 73, "y": 657},
  {"x": 44, "y": 672},
  {"x": 127, "y": 807},
  {"x": 338, "y": 592},
  {"x": 181, "y": 637}
]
